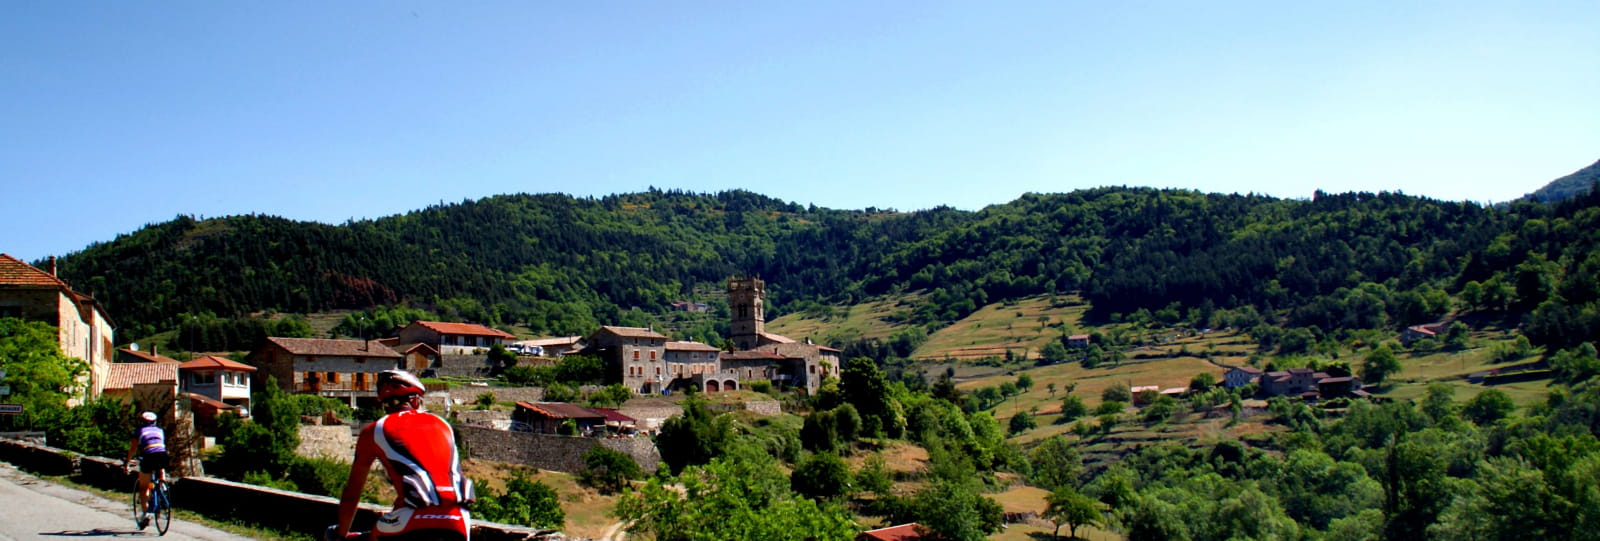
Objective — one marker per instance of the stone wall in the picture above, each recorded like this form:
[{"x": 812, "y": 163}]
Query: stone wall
[
  {"x": 229, "y": 501},
  {"x": 548, "y": 451},
  {"x": 764, "y": 407},
  {"x": 464, "y": 366},
  {"x": 336, "y": 442}
]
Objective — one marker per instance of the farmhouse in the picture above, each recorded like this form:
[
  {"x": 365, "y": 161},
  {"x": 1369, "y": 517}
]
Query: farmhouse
[{"x": 333, "y": 368}]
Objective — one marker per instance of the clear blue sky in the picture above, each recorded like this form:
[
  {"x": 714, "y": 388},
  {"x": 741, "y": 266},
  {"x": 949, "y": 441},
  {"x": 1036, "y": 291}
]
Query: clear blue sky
[{"x": 118, "y": 114}]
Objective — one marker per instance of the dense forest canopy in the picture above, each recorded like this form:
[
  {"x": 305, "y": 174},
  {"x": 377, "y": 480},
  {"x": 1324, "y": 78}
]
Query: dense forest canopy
[{"x": 562, "y": 265}]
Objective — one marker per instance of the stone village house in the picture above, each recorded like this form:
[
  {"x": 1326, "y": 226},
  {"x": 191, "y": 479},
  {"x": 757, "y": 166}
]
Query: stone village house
[
  {"x": 344, "y": 369},
  {"x": 83, "y": 328}
]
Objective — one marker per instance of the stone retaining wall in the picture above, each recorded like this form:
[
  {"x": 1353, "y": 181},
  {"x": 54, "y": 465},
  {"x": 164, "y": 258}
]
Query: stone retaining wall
[
  {"x": 764, "y": 407},
  {"x": 337, "y": 442},
  {"x": 548, "y": 451},
  {"x": 464, "y": 366},
  {"x": 227, "y": 500}
]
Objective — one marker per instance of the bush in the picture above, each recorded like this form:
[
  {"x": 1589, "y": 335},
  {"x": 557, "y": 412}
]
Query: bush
[
  {"x": 821, "y": 476},
  {"x": 1117, "y": 393},
  {"x": 1022, "y": 422},
  {"x": 1072, "y": 408},
  {"x": 761, "y": 386},
  {"x": 525, "y": 502},
  {"x": 1110, "y": 408},
  {"x": 608, "y": 470}
]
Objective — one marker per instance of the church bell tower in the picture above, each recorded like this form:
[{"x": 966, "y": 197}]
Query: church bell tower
[{"x": 747, "y": 321}]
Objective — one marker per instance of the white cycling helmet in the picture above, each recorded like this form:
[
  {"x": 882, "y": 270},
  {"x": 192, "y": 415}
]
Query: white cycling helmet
[{"x": 149, "y": 416}]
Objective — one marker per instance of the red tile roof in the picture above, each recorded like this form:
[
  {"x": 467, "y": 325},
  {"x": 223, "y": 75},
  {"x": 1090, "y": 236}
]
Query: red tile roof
[
  {"x": 561, "y": 410},
  {"x": 613, "y": 416},
  {"x": 468, "y": 329},
  {"x": 323, "y": 347},
  {"x": 147, "y": 356},
  {"x": 632, "y": 332},
  {"x": 15, "y": 272},
  {"x": 213, "y": 362},
  {"x": 903, "y": 532},
  {"x": 124, "y": 376}
]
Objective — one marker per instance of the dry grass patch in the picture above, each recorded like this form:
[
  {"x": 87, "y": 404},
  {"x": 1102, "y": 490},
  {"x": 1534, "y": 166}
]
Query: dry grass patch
[
  {"x": 588, "y": 511},
  {"x": 1022, "y": 327}
]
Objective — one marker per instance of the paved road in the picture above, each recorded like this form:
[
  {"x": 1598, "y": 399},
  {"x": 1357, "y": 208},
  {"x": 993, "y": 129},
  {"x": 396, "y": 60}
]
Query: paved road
[{"x": 31, "y": 508}]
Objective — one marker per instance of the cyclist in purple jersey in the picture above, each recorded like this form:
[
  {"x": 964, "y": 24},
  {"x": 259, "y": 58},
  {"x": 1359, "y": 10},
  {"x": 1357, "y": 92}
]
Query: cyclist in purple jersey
[{"x": 150, "y": 445}]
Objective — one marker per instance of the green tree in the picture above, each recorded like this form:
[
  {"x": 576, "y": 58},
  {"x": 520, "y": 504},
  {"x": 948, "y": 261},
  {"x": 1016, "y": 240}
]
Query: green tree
[
  {"x": 863, "y": 385},
  {"x": 1117, "y": 393},
  {"x": 1489, "y": 406},
  {"x": 1072, "y": 407},
  {"x": 1379, "y": 365},
  {"x": 693, "y": 438},
  {"x": 1056, "y": 463},
  {"x": 267, "y": 441},
  {"x": 1053, "y": 353},
  {"x": 608, "y": 470},
  {"x": 525, "y": 502},
  {"x": 1067, "y": 506},
  {"x": 951, "y": 509},
  {"x": 743, "y": 496},
  {"x": 40, "y": 377},
  {"x": 821, "y": 476},
  {"x": 1021, "y": 422},
  {"x": 1202, "y": 382}
]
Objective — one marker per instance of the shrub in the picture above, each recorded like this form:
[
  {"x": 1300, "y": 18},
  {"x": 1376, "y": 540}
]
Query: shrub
[{"x": 608, "y": 470}]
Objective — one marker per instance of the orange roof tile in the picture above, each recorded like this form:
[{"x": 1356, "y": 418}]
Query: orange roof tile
[
  {"x": 469, "y": 329},
  {"x": 903, "y": 532},
  {"x": 561, "y": 410},
  {"x": 125, "y": 375},
  {"x": 15, "y": 272},
  {"x": 213, "y": 362},
  {"x": 147, "y": 356}
]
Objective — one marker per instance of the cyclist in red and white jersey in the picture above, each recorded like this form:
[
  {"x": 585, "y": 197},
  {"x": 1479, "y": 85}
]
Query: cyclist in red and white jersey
[{"x": 418, "y": 450}]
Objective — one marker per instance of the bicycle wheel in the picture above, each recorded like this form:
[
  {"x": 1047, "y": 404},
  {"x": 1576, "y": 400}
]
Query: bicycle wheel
[
  {"x": 163, "y": 516},
  {"x": 138, "y": 510}
]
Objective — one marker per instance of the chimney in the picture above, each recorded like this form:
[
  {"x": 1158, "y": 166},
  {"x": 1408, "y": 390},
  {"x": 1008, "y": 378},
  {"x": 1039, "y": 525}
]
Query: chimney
[{"x": 52, "y": 265}]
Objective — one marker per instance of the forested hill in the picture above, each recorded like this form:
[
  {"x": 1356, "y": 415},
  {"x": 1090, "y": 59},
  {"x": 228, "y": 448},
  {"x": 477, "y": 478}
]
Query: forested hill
[
  {"x": 558, "y": 264},
  {"x": 1577, "y": 183}
]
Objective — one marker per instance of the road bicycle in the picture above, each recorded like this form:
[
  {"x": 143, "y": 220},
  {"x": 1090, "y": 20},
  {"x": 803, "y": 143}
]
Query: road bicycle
[{"x": 159, "y": 509}]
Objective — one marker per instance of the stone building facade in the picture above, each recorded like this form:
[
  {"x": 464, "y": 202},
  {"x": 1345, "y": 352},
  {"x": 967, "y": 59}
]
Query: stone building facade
[
  {"x": 636, "y": 356},
  {"x": 83, "y": 328},
  {"x": 345, "y": 369}
]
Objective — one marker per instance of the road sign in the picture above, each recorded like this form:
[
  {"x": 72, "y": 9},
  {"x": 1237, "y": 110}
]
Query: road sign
[
  {"x": 10, "y": 409},
  {"x": 5, "y": 390}
]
